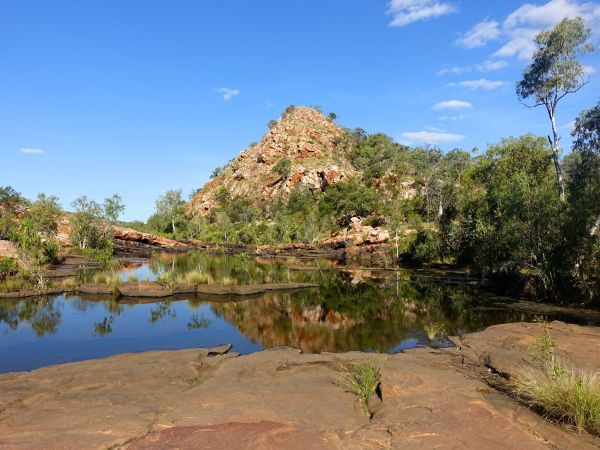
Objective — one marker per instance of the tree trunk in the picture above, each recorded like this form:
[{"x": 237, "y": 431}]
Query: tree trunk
[
  {"x": 173, "y": 226},
  {"x": 555, "y": 155},
  {"x": 595, "y": 227}
]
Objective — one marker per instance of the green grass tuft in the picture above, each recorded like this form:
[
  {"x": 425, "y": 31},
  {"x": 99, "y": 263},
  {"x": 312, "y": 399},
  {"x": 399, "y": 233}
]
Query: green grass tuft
[
  {"x": 569, "y": 395},
  {"x": 362, "y": 380}
]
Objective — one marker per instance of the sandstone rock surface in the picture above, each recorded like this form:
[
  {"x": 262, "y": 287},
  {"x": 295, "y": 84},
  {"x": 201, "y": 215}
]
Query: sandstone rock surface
[{"x": 280, "y": 398}]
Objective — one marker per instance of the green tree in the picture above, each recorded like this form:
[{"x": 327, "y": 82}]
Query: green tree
[
  {"x": 86, "y": 223},
  {"x": 347, "y": 199},
  {"x": 113, "y": 207},
  {"x": 554, "y": 73},
  {"x": 10, "y": 202},
  {"x": 170, "y": 206},
  {"x": 511, "y": 217}
]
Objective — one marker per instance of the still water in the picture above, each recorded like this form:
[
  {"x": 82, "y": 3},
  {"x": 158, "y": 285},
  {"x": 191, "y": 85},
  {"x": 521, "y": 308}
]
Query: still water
[{"x": 350, "y": 310}]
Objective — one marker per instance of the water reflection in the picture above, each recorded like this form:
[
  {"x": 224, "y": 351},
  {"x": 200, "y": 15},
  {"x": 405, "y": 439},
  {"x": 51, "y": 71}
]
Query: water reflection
[{"x": 350, "y": 310}]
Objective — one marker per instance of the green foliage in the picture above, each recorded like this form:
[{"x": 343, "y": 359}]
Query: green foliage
[
  {"x": 565, "y": 394},
  {"x": 511, "y": 216},
  {"x": 8, "y": 267},
  {"x": 374, "y": 155},
  {"x": 555, "y": 70},
  {"x": 271, "y": 123},
  {"x": 283, "y": 168},
  {"x": 348, "y": 199},
  {"x": 587, "y": 130},
  {"x": 332, "y": 116},
  {"x": 216, "y": 172},
  {"x": 91, "y": 223},
  {"x": 362, "y": 380},
  {"x": 426, "y": 247}
]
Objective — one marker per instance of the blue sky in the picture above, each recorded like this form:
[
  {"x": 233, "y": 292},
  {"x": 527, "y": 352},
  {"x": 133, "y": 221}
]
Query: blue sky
[{"x": 141, "y": 96}]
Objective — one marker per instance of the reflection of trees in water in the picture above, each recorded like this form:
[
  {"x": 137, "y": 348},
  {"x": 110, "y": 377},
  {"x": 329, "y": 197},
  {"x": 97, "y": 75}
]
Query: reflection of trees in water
[
  {"x": 105, "y": 327},
  {"x": 198, "y": 322},
  {"x": 42, "y": 314},
  {"x": 371, "y": 315},
  {"x": 163, "y": 309},
  {"x": 240, "y": 268}
]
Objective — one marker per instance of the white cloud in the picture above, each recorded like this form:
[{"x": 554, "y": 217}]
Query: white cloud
[
  {"x": 456, "y": 117},
  {"x": 452, "y": 104},
  {"x": 588, "y": 70},
  {"x": 482, "y": 83},
  {"x": 405, "y": 12},
  {"x": 485, "y": 66},
  {"x": 455, "y": 70},
  {"x": 431, "y": 137},
  {"x": 519, "y": 28},
  {"x": 491, "y": 65},
  {"x": 480, "y": 34},
  {"x": 228, "y": 94},
  {"x": 268, "y": 104},
  {"x": 31, "y": 151}
]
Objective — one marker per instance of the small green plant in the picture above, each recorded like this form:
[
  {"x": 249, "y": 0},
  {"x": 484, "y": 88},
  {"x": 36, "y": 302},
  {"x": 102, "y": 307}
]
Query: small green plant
[
  {"x": 132, "y": 278},
  {"x": 565, "y": 394},
  {"x": 433, "y": 330},
  {"x": 100, "y": 278},
  {"x": 12, "y": 285},
  {"x": 194, "y": 278},
  {"x": 166, "y": 279},
  {"x": 362, "y": 380},
  {"x": 69, "y": 284},
  {"x": 573, "y": 397},
  {"x": 110, "y": 279},
  {"x": 8, "y": 267}
]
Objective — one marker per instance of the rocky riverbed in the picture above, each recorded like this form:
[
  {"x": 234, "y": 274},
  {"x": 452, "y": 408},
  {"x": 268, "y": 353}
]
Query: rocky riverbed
[{"x": 281, "y": 398}]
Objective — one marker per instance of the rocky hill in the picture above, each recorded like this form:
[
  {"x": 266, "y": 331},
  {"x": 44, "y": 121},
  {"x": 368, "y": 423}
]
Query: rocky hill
[{"x": 304, "y": 140}]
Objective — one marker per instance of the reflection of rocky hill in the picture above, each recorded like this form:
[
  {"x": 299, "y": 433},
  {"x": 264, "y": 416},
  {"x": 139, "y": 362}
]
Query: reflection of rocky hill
[
  {"x": 341, "y": 316},
  {"x": 279, "y": 319}
]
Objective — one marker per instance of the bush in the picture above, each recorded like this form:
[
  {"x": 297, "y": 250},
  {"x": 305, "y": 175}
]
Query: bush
[
  {"x": 8, "y": 267},
  {"x": 283, "y": 167},
  {"x": 425, "y": 247},
  {"x": 344, "y": 200}
]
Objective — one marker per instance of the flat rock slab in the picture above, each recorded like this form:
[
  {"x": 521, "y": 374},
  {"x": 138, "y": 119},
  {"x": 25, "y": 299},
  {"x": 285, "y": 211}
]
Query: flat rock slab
[
  {"x": 233, "y": 435},
  {"x": 249, "y": 289},
  {"x": 30, "y": 293},
  {"x": 208, "y": 398},
  {"x": 507, "y": 348},
  {"x": 96, "y": 288}
]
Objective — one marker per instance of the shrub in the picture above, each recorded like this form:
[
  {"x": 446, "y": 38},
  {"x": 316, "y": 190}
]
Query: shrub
[
  {"x": 8, "y": 267},
  {"x": 363, "y": 381},
  {"x": 283, "y": 167},
  {"x": 425, "y": 247}
]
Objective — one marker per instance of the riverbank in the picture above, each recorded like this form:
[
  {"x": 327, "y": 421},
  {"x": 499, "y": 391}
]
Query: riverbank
[{"x": 281, "y": 398}]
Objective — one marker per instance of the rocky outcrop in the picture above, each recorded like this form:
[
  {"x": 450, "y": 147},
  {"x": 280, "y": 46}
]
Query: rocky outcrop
[
  {"x": 280, "y": 398},
  {"x": 302, "y": 135},
  {"x": 507, "y": 348},
  {"x": 357, "y": 234}
]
